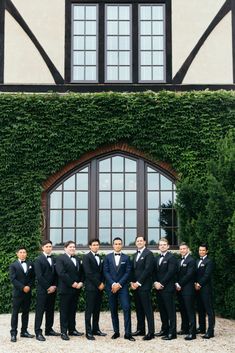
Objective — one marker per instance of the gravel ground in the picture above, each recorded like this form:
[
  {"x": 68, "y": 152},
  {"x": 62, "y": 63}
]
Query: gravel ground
[{"x": 224, "y": 340}]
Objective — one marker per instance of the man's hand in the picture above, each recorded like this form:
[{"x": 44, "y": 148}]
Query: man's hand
[
  {"x": 51, "y": 289},
  {"x": 26, "y": 289},
  {"x": 115, "y": 288},
  {"x": 134, "y": 285},
  {"x": 177, "y": 287},
  {"x": 197, "y": 286},
  {"x": 101, "y": 286},
  {"x": 158, "y": 286}
]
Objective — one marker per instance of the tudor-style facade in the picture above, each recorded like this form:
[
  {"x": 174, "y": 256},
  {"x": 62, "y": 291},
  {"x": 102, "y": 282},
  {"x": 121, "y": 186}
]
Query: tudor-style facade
[{"x": 102, "y": 45}]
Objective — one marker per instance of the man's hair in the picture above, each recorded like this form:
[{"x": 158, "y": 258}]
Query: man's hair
[
  {"x": 68, "y": 243},
  {"x": 165, "y": 240},
  {"x": 46, "y": 241},
  {"x": 140, "y": 236},
  {"x": 183, "y": 244},
  {"x": 204, "y": 245},
  {"x": 21, "y": 247},
  {"x": 117, "y": 238},
  {"x": 95, "y": 240}
]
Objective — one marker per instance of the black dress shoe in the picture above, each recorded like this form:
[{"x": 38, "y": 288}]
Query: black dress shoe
[
  {"x": 90, "y": 337},
  {"x": 129, "y": 337},
  {"x": 169, "y": 337},
  {"x": 26, "y": 334},
  {"x": 161, "y": 333},
  {"x": 182, "y": 332},
  {"x": 13, "y": 338},
  {"x": 148, "y": 337},
  {"x": 75, "y": 333},
  {"x": 40, "y": 337},
  {"x": 138, "y": 333},
  {"x": 208, "y": 335},
  {"x": 52, "y": 333},
  {"x": 115, "y": 335},
  {"x": 64, "y": 337},
  {"x": 99, "y": 333},
  {"x": 198, "y": 330},
  {"x": 190, "y": 337}
]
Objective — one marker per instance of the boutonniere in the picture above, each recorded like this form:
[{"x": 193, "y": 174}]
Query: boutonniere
[
  {"x": 142, "y": 258},
  {"x": 202, "y": 265},
  {"x": 164, "y": 262},
  {"x": 30, "y": 267},
  {"x": 123, "y": 263},
  {"x": 184, "y": 265}
]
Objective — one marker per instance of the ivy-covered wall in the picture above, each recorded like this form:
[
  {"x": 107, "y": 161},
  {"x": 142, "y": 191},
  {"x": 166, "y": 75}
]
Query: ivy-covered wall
[{"x": 40, "y": 134}]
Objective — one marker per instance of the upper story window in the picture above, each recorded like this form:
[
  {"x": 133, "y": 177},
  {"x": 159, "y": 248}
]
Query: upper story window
[
  {"x": 113, "y": 195},
  {"x": 119, "y": 42}
]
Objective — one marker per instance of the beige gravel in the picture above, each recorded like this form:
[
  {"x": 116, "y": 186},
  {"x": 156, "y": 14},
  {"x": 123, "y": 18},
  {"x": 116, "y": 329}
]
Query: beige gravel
[{"x": 224, "y": 341}]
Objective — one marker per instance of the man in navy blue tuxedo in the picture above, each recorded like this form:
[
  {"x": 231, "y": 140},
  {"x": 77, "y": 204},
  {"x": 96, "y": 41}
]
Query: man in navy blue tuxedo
[
  {"x": 22, "y": 278},
  {"x": 117, "y": 269},
  {"x": 203, "y": 286}
]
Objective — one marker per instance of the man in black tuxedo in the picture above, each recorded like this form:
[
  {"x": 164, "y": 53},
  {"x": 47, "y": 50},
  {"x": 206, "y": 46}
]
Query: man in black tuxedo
[
  {"x": 70, "y": 282},
  {"x": 94, "y": 286},
  {"x": 186, "y": 292},
  {"x": 117, "y": 269},
  {"x": 164, "y": 283},
  {"x": 46, "y": 285},
  {"x": 203, "y": 288},
  {"x": 142, "y": 281},
  {"x": 22, "y": 278}
]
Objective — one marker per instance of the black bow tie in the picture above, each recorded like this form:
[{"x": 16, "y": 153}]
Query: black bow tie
[
  {"x": 49, "y": 256},
  {"x": 117, "y": 254},
  {"x": 23, "y": 262},
  {"x": 97, "y": 255},
  {"x": 72, "y": 257},
  {"x": 162, "y": 255},
  {"x": 182, "y": 258},
  {"x": 201, "y": 258},
  {"x": 138, "y": 251}
]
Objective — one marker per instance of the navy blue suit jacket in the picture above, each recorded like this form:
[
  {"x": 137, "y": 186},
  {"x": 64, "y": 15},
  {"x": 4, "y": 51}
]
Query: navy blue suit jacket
[{"x": 117, "y": 274}]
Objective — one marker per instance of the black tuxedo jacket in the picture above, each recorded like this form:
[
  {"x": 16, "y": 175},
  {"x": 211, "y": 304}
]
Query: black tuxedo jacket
[
  {"x": 46, "y": 275},
  {"x": 92, "y": 271},
  {"x": 142, "y": 271},
  {"x": 68, "y": 273},
  {"x": 117, "y": 274},
  {"x": 186, "y": 275},
  {"x": 19, "y": 279},
  {"x": 166, "y": 272},
  {"x": 204, "y": 274}
]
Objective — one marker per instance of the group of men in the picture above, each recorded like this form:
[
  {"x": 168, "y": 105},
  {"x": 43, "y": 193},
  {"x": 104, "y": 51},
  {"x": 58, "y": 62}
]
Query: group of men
[{"x": 66, "y": 274}]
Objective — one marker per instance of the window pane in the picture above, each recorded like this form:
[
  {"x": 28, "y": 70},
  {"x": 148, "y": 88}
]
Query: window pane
[
  {"x": 69, "y": 184},
  {"x": 117, "y": 219},
  {"x": 170, "y": 234},
  {"x": 158, "y": 74},
  {"x": 82, "y": 237},
  {"x": 69, "y": 199},
  {"x": 124, "y": 73},
  {"x": 56, "y": 200},
  {"x": 153, "y": 218},
  {"x": 68, "y": 234},
  {"x": 78, "y": 58},
  {"x": 104, "y": 181},
  {"x": 146, "y": 73},
  {"x": 146, "y": 58},
  {"x": 166, "y": 184},
  {"x": 166, "y": 198},
  {"x": 90, "y": 43},
  {"x": 112, "y": 12},
  {"x": 117, "y": 200},
  {"x": 157, "y": 12},
  {"x": 145, "y": 12},
  {"x": 124, "y": 28},
  {"x": 166, "y": 215},
  {"x": 145, "y": 28},
  {"x": 105, "y": 165},
  {"x": 82, "y": 199},
  {"x": 157, "y": 58},
  {"x": 117, "y": 164},
  {"x": 104, "y": 219},
  {"x": 153, "y": 236},
  {"x": 55, "y": 218},
  {"x": 124, "y": 12},
  {"x": 90, "y": 58},
  {"x": 55, "y": 236},
  {"x": 59, "y": 188},
  {"x": 112, "y": 27},
  {"x": 82, "y": 181},
  {"x": 130, "y": 181},
  {"x": 130, "y": 218},
  {"x": 105, "y": 236},
  {"x": 68, "y": 218},
  {"x": 117, "y": 182},
  {"x": 130, "y": 235},
  {"x": 78, "y": 73},
  {"x": 91, "y": 27},
  {"x": 78, "y": 43},
  {"x": 153, "y": 199},
  {"x": 82, "y": 219},
  {"x": 157, "y": 43},
  {"x": 78, "y": 27},
  {"x": 124, "y": 58},
  {"x": 112, "y": 73},
  {"x": 157, "y": 28},
  {"x": 90, "y": 73},
  {"x": 112, "y": 58},
  {"x": 90, "y": 12},
  {"x": 79, "y": 12},
  {"x": 130, "y": 200},
  {"x": 105, "y": 200},
  {"x": 112, "y": 43},
  {"x": 124, "y": 43},
  {"x": 145, "y": 43},
  {"x": 130, "y": 165},
  {"x": 117, "y": 232},
  {"x": 153, "y": 181}
]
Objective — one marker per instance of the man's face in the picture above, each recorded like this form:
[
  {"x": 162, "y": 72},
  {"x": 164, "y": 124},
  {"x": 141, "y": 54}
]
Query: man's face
[
  {"x": 21, "y": 254},
  {"x": 140, "y": 243},
  {"x": 70, "y": 250},
  {"x": 163, "y": 246},
  {"x": 202, "y": 251},
  {"x": 47, "y": 248},
  {"x": 117, "y": 245},
  {"x": 94, "y": 247},
  {"x": 184, "y": 250}
]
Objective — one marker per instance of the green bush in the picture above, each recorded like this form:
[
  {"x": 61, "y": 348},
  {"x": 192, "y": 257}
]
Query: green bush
[{"x": 40, "y": 134}]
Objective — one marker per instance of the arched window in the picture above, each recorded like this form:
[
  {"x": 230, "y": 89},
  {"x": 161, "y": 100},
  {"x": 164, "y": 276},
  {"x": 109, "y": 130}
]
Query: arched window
[{"x": 113, "y": 195}]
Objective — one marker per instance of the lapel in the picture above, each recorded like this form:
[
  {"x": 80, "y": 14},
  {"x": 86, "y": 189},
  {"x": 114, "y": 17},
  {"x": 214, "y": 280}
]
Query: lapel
[
  {"x": 120, "y": 262},
  {"x": 114, "y": 263},
  {"x": 93, "y": 259},
  {"x": 21, "y": 267}
]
